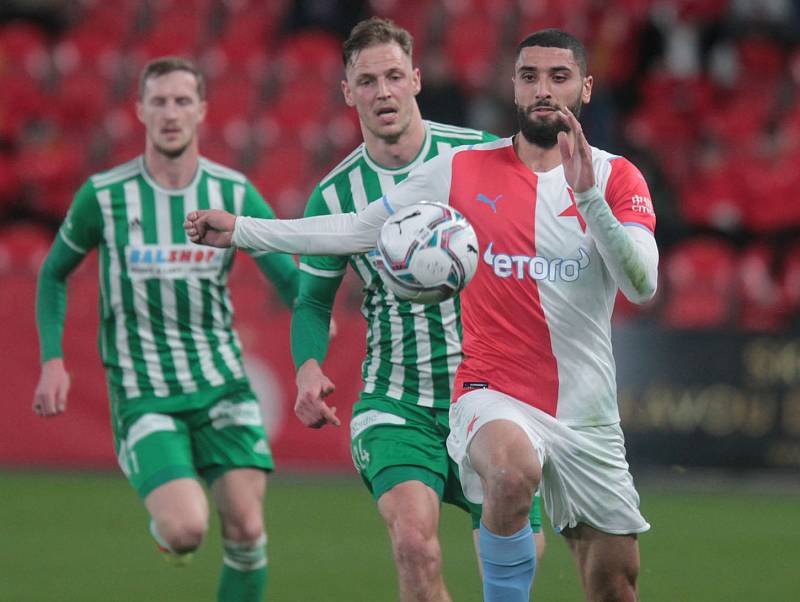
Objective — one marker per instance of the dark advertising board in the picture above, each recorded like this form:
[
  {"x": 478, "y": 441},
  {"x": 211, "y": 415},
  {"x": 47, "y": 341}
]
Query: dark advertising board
[{"x": 709, "y": 399}]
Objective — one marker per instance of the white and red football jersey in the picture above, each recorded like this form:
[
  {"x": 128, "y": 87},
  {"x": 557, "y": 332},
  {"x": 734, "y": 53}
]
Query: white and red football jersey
[{"x": 537, "y": 315}]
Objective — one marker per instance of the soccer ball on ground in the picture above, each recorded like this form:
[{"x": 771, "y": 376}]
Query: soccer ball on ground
[{"x": 427, "y": 253}]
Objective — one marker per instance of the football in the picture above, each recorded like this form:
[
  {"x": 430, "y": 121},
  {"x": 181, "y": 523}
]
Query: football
[{"x": 427, "y": 253}]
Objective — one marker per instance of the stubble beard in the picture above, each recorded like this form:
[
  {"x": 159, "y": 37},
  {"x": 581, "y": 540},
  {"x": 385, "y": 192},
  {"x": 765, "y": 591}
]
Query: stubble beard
[{"x": 544, "y": 132}]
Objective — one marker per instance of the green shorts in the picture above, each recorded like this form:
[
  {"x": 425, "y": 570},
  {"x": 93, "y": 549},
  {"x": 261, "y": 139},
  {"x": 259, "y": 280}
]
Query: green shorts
[
  {"x": 393, "y": 442},
  {"x": 154, "y": 448}
]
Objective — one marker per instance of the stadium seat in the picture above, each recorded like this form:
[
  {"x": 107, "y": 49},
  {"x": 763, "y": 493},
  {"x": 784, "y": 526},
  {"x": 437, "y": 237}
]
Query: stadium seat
[
  {"x": 790, "y": 279},
  {"x": 79, "y": 112},
  {"x": 699, "y": 284},
  {"x": 762, "y": 302},
  {"x": 470, "y": 44},
  {"x": 23, "y": 247}
]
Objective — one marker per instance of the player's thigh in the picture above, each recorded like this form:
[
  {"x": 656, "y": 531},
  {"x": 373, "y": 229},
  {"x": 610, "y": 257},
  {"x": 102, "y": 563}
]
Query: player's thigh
[
  {"x": 229, "y": 434},
  {"x": 153, "y": 450},
  {"x": 454, "y": 493},
  {"x": 393, "y": 443},
  {"x": 604, "y": 560},
  {"x": 178, "y": 505},
  {"x": 239, "y": 494},
  {"x": 490, "y": 430}
]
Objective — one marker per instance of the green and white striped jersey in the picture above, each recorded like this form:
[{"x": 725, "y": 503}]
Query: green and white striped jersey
[
  {"x": 412, "y": 350},
  {"x": 166, "y": 335}
]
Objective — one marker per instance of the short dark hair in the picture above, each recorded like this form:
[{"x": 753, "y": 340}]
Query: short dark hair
[
  {"x": 168, "y": 64},
  {"x": 556, "y": 38},
  {"x": 374, "y": 31}
]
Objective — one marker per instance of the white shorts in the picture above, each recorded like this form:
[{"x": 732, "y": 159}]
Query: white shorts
[{"x": 585, "y": 477}]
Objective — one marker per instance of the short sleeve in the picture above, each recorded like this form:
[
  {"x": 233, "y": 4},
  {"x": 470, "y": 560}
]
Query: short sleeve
[
  {"x": 82, "y": 228},
  {"x": 628, "y": 196}
]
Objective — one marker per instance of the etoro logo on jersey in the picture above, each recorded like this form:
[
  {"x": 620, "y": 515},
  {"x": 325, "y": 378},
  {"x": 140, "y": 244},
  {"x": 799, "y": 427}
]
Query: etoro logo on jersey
[
  {"x": 535, "y": 267},
  {"x": 173, "y": 261}
]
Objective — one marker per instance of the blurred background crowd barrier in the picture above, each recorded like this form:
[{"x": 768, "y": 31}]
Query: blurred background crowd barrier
[{"x": 701, "y": 94}]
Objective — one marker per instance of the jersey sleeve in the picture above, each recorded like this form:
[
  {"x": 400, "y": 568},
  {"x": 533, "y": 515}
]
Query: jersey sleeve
[
  {"x": 82, "y": 229},
  {"x": 488, "y": 137},
  {"x": 428, "y": 182},
  {"x": 312, "y": 317},
  {"x": 324, "y": 266},
  {"x": 279, "y": 269},
  {"x": 628, "y": 196}
]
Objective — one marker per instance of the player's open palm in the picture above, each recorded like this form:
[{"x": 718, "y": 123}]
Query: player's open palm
[
  {"x": 312, "y": 389},
  {"x": 576, "y": 154},
  {"x": 50, "y": 397},
  {"x": 212, "y": 227}
]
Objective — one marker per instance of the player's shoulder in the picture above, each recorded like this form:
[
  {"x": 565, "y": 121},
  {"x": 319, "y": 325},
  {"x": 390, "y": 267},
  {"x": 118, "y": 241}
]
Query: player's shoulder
[
  {"x": 483, "y": 147},
  {"x": 606, "y": 164},
  {"x": 222, "y": 172},
  {"x": 343, "y": 168},
  {"x": 457, "y": 134},
  {"x": 115, "y": 175}
]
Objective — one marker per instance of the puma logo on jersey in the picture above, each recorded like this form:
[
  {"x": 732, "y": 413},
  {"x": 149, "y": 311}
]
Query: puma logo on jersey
[
  {"x": 486, "y": 200},
  {"x": 535, "y": 267}
]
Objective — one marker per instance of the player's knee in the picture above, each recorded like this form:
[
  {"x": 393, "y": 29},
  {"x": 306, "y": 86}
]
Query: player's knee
[
  {"x": 415, "y": 546},
  {"x": 513, "y": 485},
  {"x": 184, "y": 534},
  {"x": 245, "y": 527},
  {"x": 614, "y": 586}
]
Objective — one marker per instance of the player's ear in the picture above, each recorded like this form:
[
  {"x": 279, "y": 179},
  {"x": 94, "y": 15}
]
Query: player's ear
[
  {"x": 416, "y": 79},
  {"x": 347, "y": 93},
  {"x": 586, "y": 89},
  {"x": 140, "y": 111},
  {"x": 202, "y": 113}
]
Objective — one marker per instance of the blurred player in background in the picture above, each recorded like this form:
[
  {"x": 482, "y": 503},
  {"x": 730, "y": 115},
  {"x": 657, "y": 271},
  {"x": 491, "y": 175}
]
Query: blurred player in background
[
  {"x": 181, "y": 404},
  {"x": 399, "y": 425},
  {"x": 535, "y": 401}
]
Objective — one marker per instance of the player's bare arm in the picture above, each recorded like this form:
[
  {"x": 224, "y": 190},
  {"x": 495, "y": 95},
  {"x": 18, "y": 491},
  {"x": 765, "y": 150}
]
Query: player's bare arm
[
  {"x": 50, "y": 397},
  {"x": 212, "y": 227},
  {"x": 312, "y": 389}
]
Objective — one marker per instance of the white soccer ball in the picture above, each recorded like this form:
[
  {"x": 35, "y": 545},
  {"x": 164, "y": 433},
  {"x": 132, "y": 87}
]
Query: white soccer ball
[{"x": 427, "y": 253}]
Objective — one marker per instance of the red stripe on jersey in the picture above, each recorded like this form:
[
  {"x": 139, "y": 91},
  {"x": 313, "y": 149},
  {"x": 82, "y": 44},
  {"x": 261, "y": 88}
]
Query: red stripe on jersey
[
  {"x": 628, "y": 196},
  {"x": 506, "y": 340}
]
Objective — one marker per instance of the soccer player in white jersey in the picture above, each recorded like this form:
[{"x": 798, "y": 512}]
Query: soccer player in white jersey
[
  {"x": 400, "y": 422},
  {"x": 181, "y": 404},
  {"x": 566, "y": 226}
]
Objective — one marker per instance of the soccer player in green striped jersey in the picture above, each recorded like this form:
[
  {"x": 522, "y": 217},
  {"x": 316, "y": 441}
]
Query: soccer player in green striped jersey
[
  {"x": 400, "y": 423},
  {"x": 181, "y": 404}
]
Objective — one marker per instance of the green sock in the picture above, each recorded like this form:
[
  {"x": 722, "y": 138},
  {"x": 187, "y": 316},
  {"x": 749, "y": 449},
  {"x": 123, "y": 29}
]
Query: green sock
[{"x": 244, "y": 574}]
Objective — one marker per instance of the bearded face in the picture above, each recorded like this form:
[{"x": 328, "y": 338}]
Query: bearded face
[{"x": 540, "y": 124}]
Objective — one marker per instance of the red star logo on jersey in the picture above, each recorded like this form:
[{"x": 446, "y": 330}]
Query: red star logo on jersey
[
  {"x": 572, "y": 211},
  {"x": 471, "y": 424}
]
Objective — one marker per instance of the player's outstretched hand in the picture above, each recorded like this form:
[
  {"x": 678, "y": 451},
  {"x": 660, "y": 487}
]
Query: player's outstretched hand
[
  {"x": 50, "y": 397},
  {"x": 312, "y": 388},
  {"x": 212, "y": 227},
  {"x": 576, "y": 154}
]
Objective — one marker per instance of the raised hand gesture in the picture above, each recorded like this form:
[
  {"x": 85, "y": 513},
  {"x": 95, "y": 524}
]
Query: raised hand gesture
[{"x": 576, "y": 154}]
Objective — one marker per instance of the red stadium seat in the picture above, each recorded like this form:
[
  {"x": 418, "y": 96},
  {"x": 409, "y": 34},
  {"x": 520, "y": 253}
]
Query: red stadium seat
[
  {"x": 282, "y": 177},
  {"x": 10, "y": 185},
  {"x": 470, "y": 45},
  {"x": 790, "y": 279},
  {"x": 79, "y": 111},
  {"x": 762, "y": 302},
  {"x": 699, "y": 284},
  {"x": 23, "y": 247},
  {"x": 310, "y": 55},
  {"x": 23, "y": 46}
]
